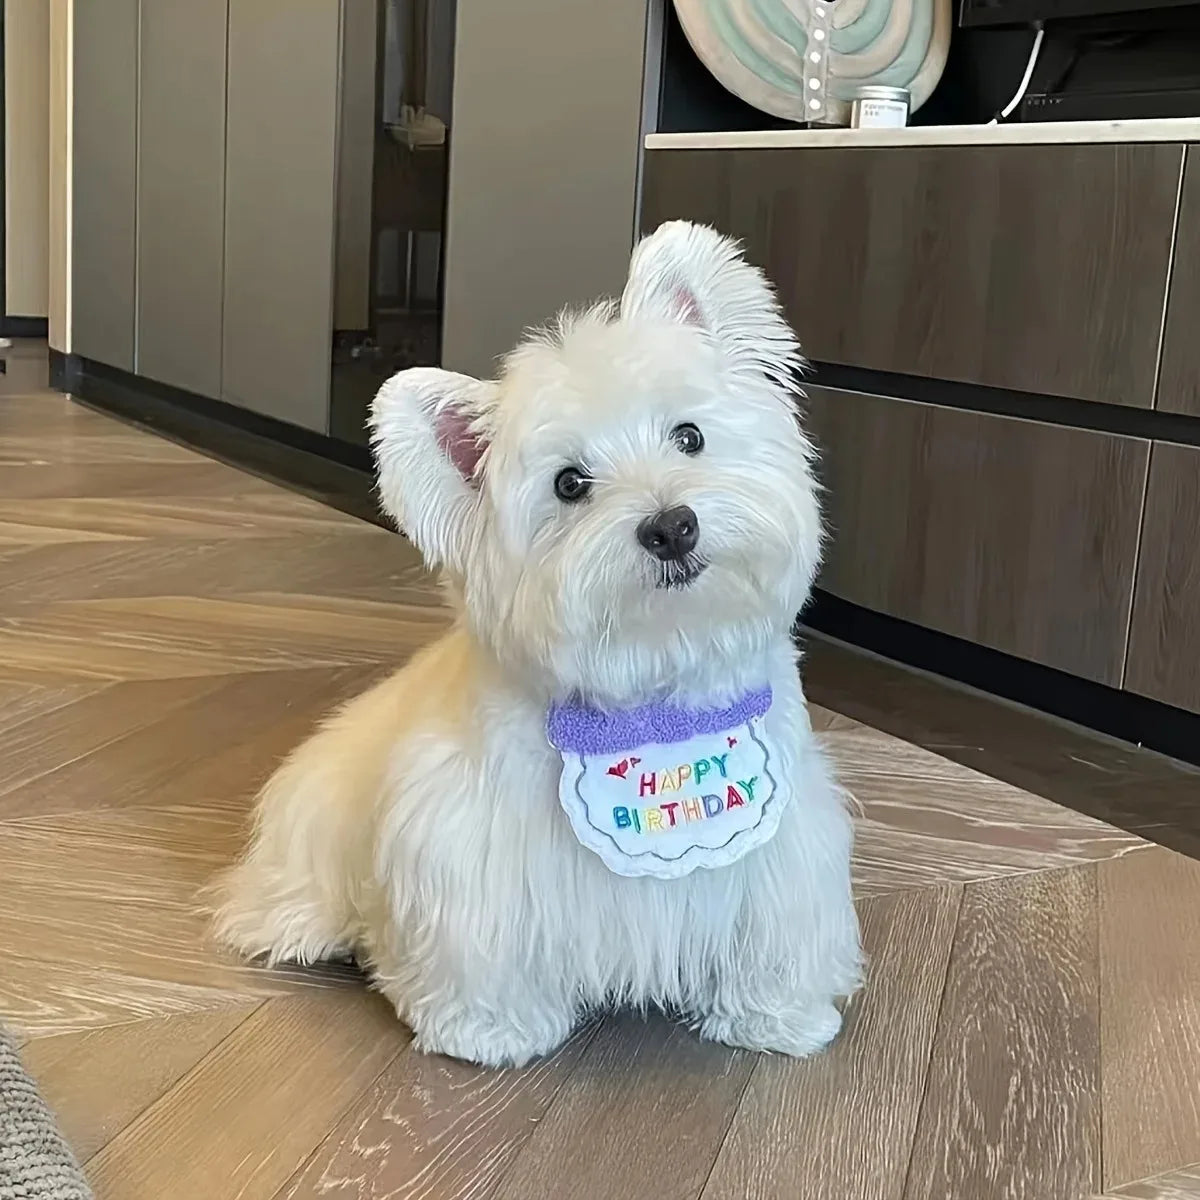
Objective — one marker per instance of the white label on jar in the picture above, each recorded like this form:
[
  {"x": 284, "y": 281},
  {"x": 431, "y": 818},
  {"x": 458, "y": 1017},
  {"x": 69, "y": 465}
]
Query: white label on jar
[{"x": 882, "y": 114}]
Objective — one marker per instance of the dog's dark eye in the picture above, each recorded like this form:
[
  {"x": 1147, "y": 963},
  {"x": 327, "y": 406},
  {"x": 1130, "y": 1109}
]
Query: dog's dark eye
[
  {"x": 571, "y": 485},
  {"x": 688, "y": 438}
]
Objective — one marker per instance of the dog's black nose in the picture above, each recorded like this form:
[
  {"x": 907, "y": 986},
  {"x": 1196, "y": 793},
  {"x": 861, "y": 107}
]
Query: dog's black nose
[{"x": 670, "y": 535}]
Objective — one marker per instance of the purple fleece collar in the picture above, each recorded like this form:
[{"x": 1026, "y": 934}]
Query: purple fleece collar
[{"x": 585, "y": 730}]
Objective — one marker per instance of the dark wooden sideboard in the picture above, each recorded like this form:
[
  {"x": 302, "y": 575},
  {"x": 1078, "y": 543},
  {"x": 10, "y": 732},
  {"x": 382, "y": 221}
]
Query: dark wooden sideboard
[
  {"x": 1164, "y": 644},
  {"x": 970, "y": 524},
  {"x": 1007, "y": 398}
]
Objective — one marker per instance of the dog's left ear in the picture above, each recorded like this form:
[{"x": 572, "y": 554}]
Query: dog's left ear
[
  {"x": 690, "y": 273},
  {"x": 427, "y": 433}
]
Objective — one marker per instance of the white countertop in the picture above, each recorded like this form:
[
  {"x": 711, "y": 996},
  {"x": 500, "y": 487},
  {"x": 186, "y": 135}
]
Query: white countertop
[{"x": 1173, "y": 129}]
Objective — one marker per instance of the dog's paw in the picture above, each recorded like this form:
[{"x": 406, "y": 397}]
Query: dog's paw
[
  {"x": 488, "y": 1042},
  {"x": 797, "y": 1032}
]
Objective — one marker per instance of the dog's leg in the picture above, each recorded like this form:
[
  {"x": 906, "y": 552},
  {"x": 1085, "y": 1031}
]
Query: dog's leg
[
  {"x": 760, "y": 1006},
  {"x": 786, "y": 1001},
  {"x": 491, "y": 1024},
  {"x": 491, "y": 1038},
  {"x": 793, "y": 1028},
  {"x": 797, "y": 953}
]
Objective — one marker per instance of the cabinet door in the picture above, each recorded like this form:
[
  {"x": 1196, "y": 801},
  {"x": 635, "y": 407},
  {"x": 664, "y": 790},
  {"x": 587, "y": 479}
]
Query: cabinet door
[
  {"x": 104, "y": 181},
  {"x": 1014, "y": 534},
  {"x": 1164, "y": 646},
  {"x": 1037, "y": 268},
  {"x": 181, "y": 193},
  {"x": 279, "y": 208},
  {"x": 544, "y": 154},
  {"x": 1179, "y": 382}
]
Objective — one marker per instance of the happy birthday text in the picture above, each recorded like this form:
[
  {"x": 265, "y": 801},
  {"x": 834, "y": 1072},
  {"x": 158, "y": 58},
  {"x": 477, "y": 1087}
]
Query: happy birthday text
[{"x": 668, "y": 814}]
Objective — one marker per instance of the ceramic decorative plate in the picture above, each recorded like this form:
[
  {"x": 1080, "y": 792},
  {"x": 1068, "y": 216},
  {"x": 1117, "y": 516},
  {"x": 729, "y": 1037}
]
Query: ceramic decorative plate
[{"x": 803, "y": 59}]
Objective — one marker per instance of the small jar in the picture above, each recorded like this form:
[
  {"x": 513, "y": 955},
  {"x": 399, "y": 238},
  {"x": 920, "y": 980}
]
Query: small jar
[{"x": 875, "y": 106}]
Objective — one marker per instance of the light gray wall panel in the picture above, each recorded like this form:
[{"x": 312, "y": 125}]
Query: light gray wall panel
[
  {"x": 181, "y": 193},
  {"x": 279, "y": 207},
  {"x": 104, "y": 182},
  {"x": 544, "y": 151}
]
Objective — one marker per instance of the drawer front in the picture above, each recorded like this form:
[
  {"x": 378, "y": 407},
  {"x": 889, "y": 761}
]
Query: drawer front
[
  {"x": 1164, "y": 646},
  {"x": 1036, "y": 268},
  {"x": 1179, "y": 383},
  {"x": 1014, "y": 534}
]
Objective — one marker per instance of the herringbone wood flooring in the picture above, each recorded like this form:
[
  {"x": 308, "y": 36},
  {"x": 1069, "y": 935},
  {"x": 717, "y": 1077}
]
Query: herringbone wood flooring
[{"x": 170, "y": 626}]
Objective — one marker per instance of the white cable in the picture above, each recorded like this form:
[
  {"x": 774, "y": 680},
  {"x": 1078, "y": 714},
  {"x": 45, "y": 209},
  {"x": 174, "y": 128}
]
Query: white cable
[{"x": 1019, "y": 95}]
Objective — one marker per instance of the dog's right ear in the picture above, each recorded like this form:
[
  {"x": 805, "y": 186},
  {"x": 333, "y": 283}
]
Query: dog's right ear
[
  {"x": 692, "y": 274},
  {"x": 428, "y": 436}
]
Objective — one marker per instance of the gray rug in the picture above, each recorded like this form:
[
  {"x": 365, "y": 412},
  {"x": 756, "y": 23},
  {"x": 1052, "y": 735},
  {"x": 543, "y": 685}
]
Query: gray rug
[{"x": 35, "y": 1162}]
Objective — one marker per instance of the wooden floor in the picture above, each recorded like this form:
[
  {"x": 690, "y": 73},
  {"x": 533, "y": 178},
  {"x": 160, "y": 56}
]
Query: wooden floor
[{"x": 169, "y": 627}]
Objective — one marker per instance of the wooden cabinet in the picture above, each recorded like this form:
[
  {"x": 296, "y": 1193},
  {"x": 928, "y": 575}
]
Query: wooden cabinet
[
  {"x": 1036, "y": 268},
  {"x": 280, "y": 184},
  {"x": 1164, "y": 644},
  {"x": 203, "y": 197},
  {"x": 1017, "y": 535},
  {"x": 1179, "y": 381},
  {"x": 104, "y": 180},
  {"x": 181, "y": 193}
]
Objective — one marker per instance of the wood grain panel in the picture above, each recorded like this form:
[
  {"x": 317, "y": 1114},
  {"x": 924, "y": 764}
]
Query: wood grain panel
[
  {"x": 237, "y": 624},
  {"x": 251, "y": 1112},
  {"x": 1173, "y": 1185},
  {"x": 431, "y": 1128},
  {"x": 1018, "y": 535},
  {"x": 788, "y": 1139},
  {"x": 1179, "y": 379},
  {"x": 112, "y": 446},
  {"x": 101, "y": 920},
  {"x": 97, "y": 1082},
  {"x": 129, "y": 518},
  {"x": 32, "y": 748},
  {"x": 200, "y": 478},
  {"x": 41, "y": 997},
  {"x": 1012, "y": 1103},
  {"x": 372, "y": 565},
  {"x": 916, "y": 833},
  {"x": 1037, "y": 268},
  {"x": 1150, "y": 1014},
  {"x": 650, "y": 1131},
  {"x": 176, "y": 636},
  {"x": 213, "y": 741},
  {"x": 1164, "y": 642},
  {"x": 1040, "y": 268},
  {"x": 1074, "y": 769},
  {"x": 20, "y": 702}
]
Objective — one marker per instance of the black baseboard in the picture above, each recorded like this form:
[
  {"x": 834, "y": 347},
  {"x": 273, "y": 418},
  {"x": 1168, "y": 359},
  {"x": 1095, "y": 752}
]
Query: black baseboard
[
  {"x": 147, "y": 399},
  {"x": 1119, "y": 714},
  {"x": 24, "y": 327},
  {"x": 338, "y": 472}
]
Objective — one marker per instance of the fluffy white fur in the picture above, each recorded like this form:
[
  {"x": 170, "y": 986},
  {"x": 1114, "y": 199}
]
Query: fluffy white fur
[{"x": 420, "y": 829}]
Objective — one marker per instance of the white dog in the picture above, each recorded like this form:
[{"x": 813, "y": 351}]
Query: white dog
[{"x": 601, "y": 787}]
